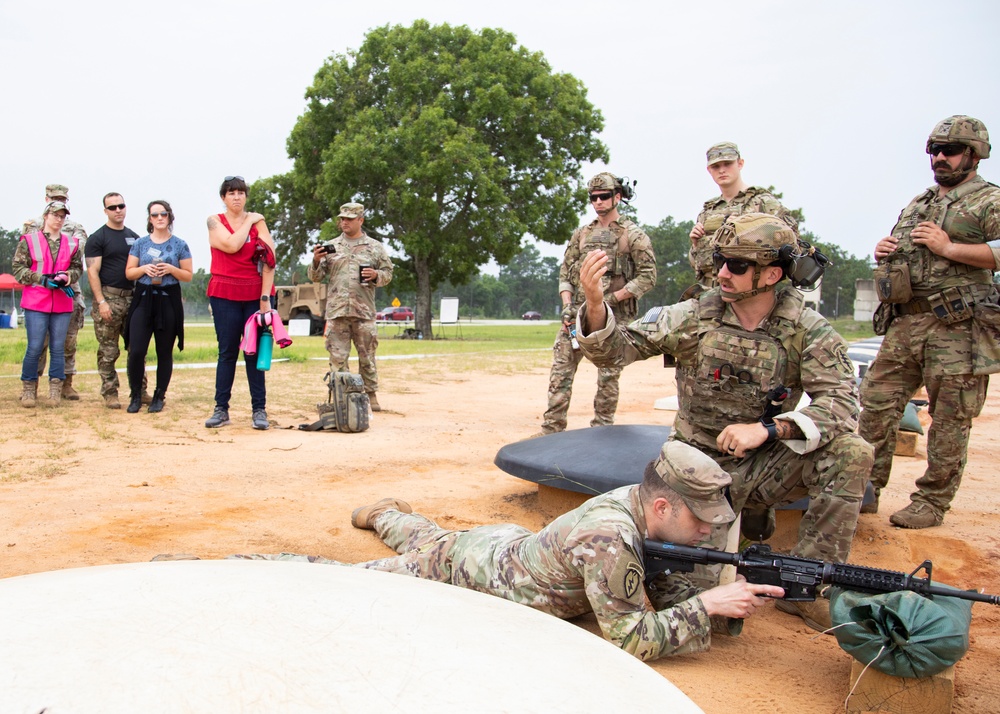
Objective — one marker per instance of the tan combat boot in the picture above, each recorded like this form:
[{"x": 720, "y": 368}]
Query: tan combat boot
[
  {"x": 374, "y": 402},
  {"x": 29, "y": 394},
  {"x": 55, "y": 392},
  {"x": 364, "y": 517},
  {"x": 916, "y": 515},
  {"x": 816, "y": 614},
  {"x": 67, "y": 389},
  {"x": 111, "y": 401}
]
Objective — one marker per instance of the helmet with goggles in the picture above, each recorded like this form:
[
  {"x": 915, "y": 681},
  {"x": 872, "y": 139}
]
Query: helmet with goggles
[{"x": 964, "y": 130}]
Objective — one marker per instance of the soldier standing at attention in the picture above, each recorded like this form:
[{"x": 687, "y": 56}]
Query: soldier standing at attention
[
  {"x": 631, "y": 274},
  {"x": 725, "y": 167},
  {"x": 736, "y": 347},
  {"x": 935, "y": 281},
  {"x": 107, "y": 253},
  {"x": 58, "y": 192},
  {"x": 587, "y": 560},
  {"x": 356, "y": 265}
]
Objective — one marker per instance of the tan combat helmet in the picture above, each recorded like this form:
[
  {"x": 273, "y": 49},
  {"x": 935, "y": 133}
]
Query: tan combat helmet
[
  {"x": 961, "y": 129},
  {"x": 604, "y": 181},
  {"x": 757, "y": 238}
]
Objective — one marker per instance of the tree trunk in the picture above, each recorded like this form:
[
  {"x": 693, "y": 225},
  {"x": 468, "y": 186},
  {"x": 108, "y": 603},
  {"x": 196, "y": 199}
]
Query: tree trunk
[{"x": 422, "y": 316}]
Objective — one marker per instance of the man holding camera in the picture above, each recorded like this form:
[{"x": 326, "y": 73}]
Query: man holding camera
[
  {"x": 745, "y": 352},
  {"x": 356, "y": 264},
  {"x": 940, "y": 318},
  {"x": 631, "y": 274},
  {"x": 725, "y": 166}
]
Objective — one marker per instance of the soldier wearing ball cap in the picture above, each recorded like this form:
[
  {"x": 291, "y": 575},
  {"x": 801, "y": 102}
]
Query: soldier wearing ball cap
[
  {"x": 725, "y": 166},
  {"x": 735, "y": 348},
  {"x": 588, "y": 560},
  {"x": 940, "y": 317},
  {"x": 632, "y": 273}
]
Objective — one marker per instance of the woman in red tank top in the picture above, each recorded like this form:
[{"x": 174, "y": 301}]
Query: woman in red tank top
[{"x": 240, "y": 286}]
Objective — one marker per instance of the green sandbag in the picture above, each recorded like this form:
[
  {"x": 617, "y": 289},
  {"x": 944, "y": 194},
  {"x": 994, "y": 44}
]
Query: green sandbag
[
  {"x": 921, "y": 635},
  {"x": 910, "y": 420}
]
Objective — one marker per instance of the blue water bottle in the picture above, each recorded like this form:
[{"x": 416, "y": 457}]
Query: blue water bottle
[{"x": 265, "y": 346}]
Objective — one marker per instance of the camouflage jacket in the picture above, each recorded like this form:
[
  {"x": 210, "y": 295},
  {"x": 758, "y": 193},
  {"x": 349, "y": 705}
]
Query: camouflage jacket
[
  {"x": 21, "y": 263},
  {"x": 635, "y": 270},
  {"x": 814, "y": 356},
  {"x": 969, "y": 213},
  {"x": 346, "y": 296},
  {"x": 70, "y": 228},
  {"x": 715, "y": 212},
  {"x": 588, "y": 559}
]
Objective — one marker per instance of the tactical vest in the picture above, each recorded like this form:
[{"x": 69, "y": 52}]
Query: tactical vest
[
  {"x": 736, "y": 368},
  {"x": 37, "y": 297},
  {"x": 621, "y": 266},
  {"x": 929, "y": 272}
]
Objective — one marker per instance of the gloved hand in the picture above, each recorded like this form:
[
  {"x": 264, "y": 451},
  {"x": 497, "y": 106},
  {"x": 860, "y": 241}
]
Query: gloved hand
[
  {"x": 568, "y": 314},
  {"x": 48, "y": 281},
  {"x": 68, "y": 291},
  {"x": 264, "y": 319},
  {"x": 61, "y": 279}
]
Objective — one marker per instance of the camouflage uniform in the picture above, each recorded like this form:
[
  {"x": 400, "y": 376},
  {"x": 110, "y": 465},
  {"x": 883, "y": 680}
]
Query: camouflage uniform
[
  {"x": 794, "y": 346},
  {"x": 715, "y": 212},
  {"x": 920, "y": 349},
  {"x": 74, "y": 229},
  {"x": 585, "y": 560},
  {"x": 635, "y": 270},
  {"x": 350, "y": 305}
]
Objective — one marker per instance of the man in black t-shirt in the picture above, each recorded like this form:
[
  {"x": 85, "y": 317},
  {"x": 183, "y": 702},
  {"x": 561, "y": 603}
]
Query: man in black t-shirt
[{"x": 107, "y": 253}]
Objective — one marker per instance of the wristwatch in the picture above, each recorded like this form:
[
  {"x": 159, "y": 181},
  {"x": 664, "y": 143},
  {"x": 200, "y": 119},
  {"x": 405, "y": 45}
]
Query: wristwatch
[
  {"x": 266, "y": 297},
  {"x": 772, "y": 430}
]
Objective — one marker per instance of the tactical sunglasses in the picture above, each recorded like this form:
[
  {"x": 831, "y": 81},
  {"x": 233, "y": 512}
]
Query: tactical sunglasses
[
  {"x": 230, "y": 178},
  {"x": 115, "y": 207},
  {"x": 946, "y": 149},
  {"x": 736, "y": 265},
  {"x": 594, "y": 197}
]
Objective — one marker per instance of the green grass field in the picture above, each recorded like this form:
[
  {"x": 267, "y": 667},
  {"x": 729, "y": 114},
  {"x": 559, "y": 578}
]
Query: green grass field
[{"x": 200, "y": 343}]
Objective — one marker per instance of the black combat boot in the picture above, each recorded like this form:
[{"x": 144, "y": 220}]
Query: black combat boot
[
  {"x": 157, "y": 404},
  {"x": 135, "y": 402}
]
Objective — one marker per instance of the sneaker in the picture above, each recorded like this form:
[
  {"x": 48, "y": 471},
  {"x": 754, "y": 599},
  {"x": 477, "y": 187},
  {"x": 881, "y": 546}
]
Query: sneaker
[
  {"x": 916, "y": 515},
  {"x": 816, "y": 614},
  {"x": 220, "y": 417},
  {"x": 260, "y": 420},
  {"x": 757, "y": 525},
  {"x": 364, "y": 517}
]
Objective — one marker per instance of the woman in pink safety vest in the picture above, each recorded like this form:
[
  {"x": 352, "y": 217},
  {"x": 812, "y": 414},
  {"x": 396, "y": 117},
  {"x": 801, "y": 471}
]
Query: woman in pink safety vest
[{"x": 46, "y": 263}]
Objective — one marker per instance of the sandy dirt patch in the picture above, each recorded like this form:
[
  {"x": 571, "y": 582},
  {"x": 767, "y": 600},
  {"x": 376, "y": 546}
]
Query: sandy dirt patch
[{"x": 81, "y": 485}]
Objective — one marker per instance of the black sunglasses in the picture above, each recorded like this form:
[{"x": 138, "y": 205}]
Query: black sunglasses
[
  {"x": 115, "y": 207},
  {"x": 230, "y": 178},
  {"x": 594, "y": 197},
  {"x": 736, "y": 265},
  {"x": 946, "y": 149}
]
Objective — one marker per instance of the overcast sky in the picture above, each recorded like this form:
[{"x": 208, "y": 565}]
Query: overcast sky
[{"x": 830, "y": 102}]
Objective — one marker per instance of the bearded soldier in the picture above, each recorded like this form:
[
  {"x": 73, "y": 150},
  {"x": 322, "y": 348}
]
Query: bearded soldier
[
  {"x": 725, "y": 166},
  {"x": 940, "y": 318},
  {"x": 745, "y": 352},
  {"x": 631, "y": 274}
]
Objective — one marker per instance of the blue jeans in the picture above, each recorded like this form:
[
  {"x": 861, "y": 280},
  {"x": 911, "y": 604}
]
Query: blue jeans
[
  {"x": 38, "y": 325},
  {"x": 230, "y": 316}
]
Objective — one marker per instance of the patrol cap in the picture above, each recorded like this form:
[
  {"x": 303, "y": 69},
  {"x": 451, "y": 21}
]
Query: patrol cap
[
  {"x": 53, "y": 206},
  {"x": 351, "y": 210},
  {"x": 56, "y": 190},
  {"x": 697, "y": 479},
  {"x": 723, "y": 151}
]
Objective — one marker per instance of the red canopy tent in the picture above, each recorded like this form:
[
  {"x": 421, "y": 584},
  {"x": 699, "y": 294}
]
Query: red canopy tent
[{"x": 7, "y": 282}]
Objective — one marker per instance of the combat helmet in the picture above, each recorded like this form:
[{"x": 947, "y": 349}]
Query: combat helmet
[
  {"x": 961, "y": 129},
  {"x": 757, "y": 238},
  {"x": 604, "y": 181}
]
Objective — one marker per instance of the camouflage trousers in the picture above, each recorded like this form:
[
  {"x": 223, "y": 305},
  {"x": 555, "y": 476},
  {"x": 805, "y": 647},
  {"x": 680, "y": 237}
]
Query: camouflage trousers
[
  {"x": 427, "y": 551},
  {"x": 920, "y": 349},
  {"x": 833, "y": 478},
  {"x": 565, "y": 361},
  {"x": 340, "y": 332},
  {"x": 108, "y": 333},
  {"x": 75, "y": 323}
]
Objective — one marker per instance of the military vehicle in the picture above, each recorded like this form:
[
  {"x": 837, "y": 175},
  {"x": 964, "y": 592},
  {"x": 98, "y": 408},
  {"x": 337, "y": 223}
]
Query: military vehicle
[{"x": 306, "y": 301}]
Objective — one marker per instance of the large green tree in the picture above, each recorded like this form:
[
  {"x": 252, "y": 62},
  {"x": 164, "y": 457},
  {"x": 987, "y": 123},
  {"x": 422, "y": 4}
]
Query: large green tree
[{"x": 459, "y": 143}]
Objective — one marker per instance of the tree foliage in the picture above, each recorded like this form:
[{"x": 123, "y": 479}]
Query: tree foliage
[
  {"x": 8, "y": 244},
  {"x": 458, "y": 143}
]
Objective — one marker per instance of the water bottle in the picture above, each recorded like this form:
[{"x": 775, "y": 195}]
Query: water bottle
[
  {"x": 572, "y": 338},
  {"x": 265, "y": 346}
]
